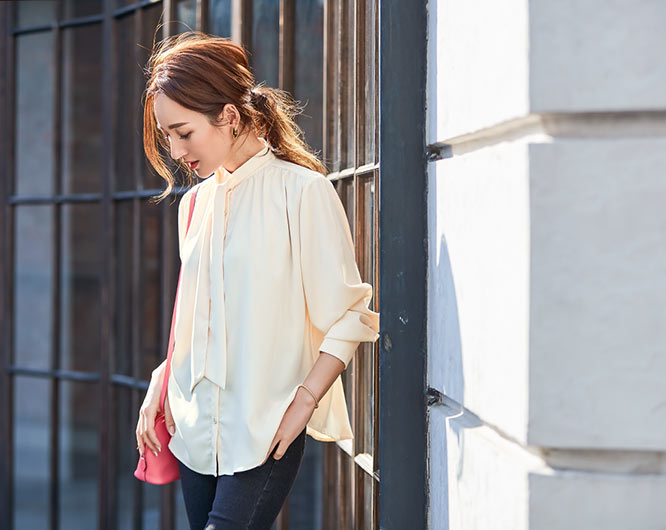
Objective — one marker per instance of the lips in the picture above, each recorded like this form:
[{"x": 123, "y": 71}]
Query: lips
[{"x": 193, "y": 165}]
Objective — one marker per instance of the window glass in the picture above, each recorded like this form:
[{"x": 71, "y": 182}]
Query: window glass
[
  {"x": 33, "y": 138},
  {"x": 81, "y": 135},
  {"x": 126, "y": 455},
  {"x": 78, "y": 458},
  {"x": 150, "y": 290},
  {"x": 151, "y": 19},
  {"x": 265, "y": 41},
  {"x": 309, "y": 68},
  {"x": 80, "y": 304},
  {"x": 369, "y": 85},
  {"x": 35, "y": 12},
  {"x": 123, "y": 319},
  {"x": 81, "y": 8},
  {"x": 332, "y": 91},
  {"x": 32, "y": 448},
  {"x": 220, "y": 17},
  {"x": 33, "y": 286},
  {"x": 128, "y": 131},
  {"x": 186, "y": 15}
]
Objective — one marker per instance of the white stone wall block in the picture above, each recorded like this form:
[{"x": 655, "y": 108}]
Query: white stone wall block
[
  {"x": 578, "y": 500},
  {"x": 598, "y": 291},
  {"x": 597, "y": 55},
  {"x": 479, "y": 283},
  {"x": 477, "y": 65}
]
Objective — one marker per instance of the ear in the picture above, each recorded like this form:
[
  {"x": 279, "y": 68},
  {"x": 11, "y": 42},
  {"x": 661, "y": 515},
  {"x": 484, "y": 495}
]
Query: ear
[{"x": 230, "y": 115}]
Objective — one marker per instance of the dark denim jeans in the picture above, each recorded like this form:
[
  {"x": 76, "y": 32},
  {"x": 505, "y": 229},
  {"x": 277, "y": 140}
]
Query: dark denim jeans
[{"x": 248, "y": 499}]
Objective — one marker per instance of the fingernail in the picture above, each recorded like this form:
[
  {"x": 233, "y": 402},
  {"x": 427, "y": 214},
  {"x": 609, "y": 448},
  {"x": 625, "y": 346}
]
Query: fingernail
[
  {"x": 172, "y": 431},
  {"x": 159, "y": 448},
  {"x": 155, "y": 453}
]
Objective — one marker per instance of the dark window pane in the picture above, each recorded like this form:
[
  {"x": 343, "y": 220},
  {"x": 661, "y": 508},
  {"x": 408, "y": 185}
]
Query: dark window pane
[
  {"x": 81, "y": 103},
  {"x": 332, "y": 151},
  {"x": 126, "y": 455},
  {"x": 181, "y": 522},
  {"x": 186, "y": 14},
  {"x": 150, "y": 288},
  {"x": 151, "y": 19},
  {"x": 128, "y": 134},
  {"x": 305, "y": 498},
  {"x": 265, "y": 41},
  {"x": 151, "y": 505},
  {"x": 369, "y": 86},
  {"x": 35, "y": 12},
  {"x": 81, "y": 8},
  {"x": 123, "y": 318},
  {"x": 78, "y": 461},
  {"x": 31, "y": 452},
  {"x": 367, "y": 493},
  {"x": 220, "y": 17},
  {"x": 338, "y": 508},
  {"x": 347, "y": 102},
  {"x": 33, "y": 283},
  {"x": 34, "y": 114},
  {"x": 80, "y": 285},
  {"x": 308, "y": 68},
  {"x": 345, "y": 189}
]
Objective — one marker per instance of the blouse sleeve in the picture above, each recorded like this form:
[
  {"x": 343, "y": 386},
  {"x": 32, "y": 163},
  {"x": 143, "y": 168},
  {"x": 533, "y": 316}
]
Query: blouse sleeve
[{"x": 337, "y": 300}]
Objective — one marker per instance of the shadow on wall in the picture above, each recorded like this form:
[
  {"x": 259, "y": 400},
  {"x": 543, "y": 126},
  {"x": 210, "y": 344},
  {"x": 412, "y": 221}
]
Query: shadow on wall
[{"x": 445, "y": 368}]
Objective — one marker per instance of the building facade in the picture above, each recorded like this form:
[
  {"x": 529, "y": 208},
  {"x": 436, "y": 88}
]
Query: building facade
[{"x": 546, "y": 290}]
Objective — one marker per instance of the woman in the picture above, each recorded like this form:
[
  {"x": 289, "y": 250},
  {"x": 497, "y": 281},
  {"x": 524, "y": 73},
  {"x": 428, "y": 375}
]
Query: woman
[{"x": 271, "y": 306}]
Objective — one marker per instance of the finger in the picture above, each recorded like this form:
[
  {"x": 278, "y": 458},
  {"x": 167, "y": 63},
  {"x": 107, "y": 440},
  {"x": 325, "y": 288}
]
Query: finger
[
  {"x": 270, "y": 450},
  {"x": 168, "y": 418},
  {"x": 149, "y": 435},
  {"x": 152, "y": 436},
  {"x": 139, "y": 442},
  {"x": 280, "y": 450},
  {"x": 154, "y": 441}
]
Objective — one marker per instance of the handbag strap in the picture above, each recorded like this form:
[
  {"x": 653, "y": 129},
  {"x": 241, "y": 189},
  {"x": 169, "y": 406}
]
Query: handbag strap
[{"x": 167, "y": 369}]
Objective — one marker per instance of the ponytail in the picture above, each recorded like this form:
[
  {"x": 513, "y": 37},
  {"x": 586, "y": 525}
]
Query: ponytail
[{"x": 274, "y": 121}]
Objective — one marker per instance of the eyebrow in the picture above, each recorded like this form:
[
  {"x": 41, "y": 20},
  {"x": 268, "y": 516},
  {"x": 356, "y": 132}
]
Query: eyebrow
[{"x": 174, "y": 125}]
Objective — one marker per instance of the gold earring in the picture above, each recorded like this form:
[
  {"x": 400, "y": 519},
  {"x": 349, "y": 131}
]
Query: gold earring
[{"x": 234, "y": 133}]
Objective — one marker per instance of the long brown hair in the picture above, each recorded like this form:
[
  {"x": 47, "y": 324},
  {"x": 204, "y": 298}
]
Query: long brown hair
[{"x": 203, "y": 73}]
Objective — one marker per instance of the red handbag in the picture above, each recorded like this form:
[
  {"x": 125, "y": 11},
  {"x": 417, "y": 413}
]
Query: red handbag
[{"x": 163, "y": 468}]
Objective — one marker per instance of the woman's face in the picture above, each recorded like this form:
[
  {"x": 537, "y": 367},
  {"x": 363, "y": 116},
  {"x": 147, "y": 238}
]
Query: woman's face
[{"x": 192, "y": 138}]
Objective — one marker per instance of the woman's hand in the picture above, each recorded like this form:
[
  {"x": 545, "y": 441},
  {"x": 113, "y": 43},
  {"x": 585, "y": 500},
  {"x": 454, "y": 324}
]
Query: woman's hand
[
  {"x": 295, "y": 418},
  {"x": 145, "y": 429}
]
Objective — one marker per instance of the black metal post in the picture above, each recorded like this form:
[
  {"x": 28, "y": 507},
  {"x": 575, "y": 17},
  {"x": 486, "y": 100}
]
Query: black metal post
[{"x": 403, "y": 265}]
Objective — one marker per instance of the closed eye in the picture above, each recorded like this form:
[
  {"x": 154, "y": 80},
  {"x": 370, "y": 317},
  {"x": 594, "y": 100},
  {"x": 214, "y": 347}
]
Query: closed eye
[{"x": 183, "y": 137}]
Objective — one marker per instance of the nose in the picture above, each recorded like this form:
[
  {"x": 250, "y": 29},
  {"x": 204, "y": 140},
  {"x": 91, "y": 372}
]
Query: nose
[{"x": 176, "y": 152}]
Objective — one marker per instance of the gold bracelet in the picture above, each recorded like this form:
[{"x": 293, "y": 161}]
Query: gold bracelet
[{"x": 311, "y": 392}]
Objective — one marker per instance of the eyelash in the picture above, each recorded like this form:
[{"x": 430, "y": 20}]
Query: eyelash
[{"x": 184, "y": 137}]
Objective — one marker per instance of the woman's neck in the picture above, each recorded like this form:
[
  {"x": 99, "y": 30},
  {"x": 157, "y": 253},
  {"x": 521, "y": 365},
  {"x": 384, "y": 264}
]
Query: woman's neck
[{"x": 247, "y": 148}]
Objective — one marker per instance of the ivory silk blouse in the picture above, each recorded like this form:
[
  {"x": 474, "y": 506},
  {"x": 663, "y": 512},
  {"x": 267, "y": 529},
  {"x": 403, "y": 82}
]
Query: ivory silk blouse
[{"x": 269, "y": 280}]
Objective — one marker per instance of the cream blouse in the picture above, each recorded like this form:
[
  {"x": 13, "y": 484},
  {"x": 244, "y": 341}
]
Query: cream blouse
[{"x": 269, "y": 279}]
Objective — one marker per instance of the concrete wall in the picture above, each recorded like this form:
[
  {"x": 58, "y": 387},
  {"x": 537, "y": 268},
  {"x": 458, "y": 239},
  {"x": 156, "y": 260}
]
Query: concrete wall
[{"x": 547, "y": 268}]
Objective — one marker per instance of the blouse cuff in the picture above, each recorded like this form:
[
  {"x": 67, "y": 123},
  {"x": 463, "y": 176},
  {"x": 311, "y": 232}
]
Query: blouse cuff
[{"x": 342, "y": 349}]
